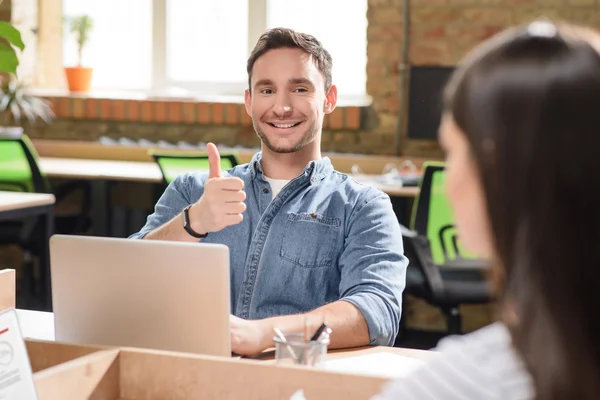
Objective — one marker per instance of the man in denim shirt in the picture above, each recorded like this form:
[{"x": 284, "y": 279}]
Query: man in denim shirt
[{"x": 305, "y": 241}]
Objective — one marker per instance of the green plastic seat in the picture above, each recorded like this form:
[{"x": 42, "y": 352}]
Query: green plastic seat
[
  {"x": 441, "y": 271},
  {"x": 433, "y": 217},
  {"x": 173, "y": 164},
  {"x": 19, "y": 170}
]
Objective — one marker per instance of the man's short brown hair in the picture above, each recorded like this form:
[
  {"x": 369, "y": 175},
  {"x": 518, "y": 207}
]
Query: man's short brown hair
[{"x": 278, "y": 38}]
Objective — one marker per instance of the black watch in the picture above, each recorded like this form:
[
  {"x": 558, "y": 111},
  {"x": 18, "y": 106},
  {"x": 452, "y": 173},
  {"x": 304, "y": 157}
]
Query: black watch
[{"x": 187, "y": 226}]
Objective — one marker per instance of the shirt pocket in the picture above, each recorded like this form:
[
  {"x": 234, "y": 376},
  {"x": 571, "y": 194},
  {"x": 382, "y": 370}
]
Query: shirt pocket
[{"x": 309, "y": 240}]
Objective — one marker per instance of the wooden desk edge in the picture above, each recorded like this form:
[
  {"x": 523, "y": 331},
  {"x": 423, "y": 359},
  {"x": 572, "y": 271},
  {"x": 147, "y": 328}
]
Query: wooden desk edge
[
  {"x": 151, "y": 173},
  {"x": 369, "y": 163},
  {"x": 29, "y": 200},
  {"x": 332, "y": 354}
]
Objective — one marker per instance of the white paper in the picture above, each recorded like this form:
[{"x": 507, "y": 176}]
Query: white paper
[
  {"x": 16, "y": 378},
  {"x": 385, "y": 364},
  {"x": 38, "y": 325}
]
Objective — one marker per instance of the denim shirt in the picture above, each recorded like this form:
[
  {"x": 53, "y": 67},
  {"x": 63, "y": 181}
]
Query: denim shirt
[{"x": 323, "y": 238}]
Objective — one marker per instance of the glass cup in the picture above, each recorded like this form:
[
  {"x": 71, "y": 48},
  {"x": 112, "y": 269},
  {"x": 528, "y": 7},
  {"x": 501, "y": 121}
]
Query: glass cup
[{"x": 296, "y": 351}]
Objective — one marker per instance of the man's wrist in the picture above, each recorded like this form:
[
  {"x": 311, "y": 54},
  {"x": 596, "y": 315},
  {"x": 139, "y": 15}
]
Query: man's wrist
[
  {"x": 192, "y": 230},
  {"x": 267, "y": 326}
]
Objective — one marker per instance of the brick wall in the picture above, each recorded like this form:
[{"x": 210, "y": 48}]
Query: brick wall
[
  {"x": 174, "y": 121},
  {"x": 441, "y": 32}
]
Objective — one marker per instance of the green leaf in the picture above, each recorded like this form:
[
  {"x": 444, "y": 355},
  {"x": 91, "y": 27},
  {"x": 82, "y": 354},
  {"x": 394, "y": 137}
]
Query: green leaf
[
  {"x": 12, "y": 34},
  {"x": 8, "y": 59}
]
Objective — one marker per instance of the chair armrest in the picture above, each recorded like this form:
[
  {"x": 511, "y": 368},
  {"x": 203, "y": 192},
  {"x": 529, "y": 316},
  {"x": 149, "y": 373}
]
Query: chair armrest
[{"x": 422, "y": 252}]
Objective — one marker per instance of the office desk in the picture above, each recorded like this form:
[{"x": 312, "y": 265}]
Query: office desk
[
  {"x": 343, "y": 162},
  {"x": 113, "y": 170},
  {"x": 268, "y": 356},
  {"x": 19, "y": 203},
  {"x": 101, "y": 172},
  {"x": 20, "y": 206},
  {"x": 144, "y": 171},
  {"x": 39, "y": 325}
]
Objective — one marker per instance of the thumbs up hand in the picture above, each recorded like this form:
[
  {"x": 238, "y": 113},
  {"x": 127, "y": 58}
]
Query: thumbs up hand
[
  {"x": 214, "y": 161},
  {"x": 222, "y": 203}
]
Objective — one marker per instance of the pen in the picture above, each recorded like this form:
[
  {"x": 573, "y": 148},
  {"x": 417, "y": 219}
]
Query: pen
[
  {"x": 318, "y": 332},
  {"x": 325, "y": 334}
]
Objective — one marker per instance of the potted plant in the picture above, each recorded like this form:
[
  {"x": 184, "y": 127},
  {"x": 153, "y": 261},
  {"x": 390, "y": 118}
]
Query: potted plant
[
  {"x": 17, "y": 107},
  {"x": 79, "y": 77}
]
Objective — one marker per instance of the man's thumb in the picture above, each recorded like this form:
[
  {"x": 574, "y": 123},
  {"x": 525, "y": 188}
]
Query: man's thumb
[{"x": 214, "y": 161}]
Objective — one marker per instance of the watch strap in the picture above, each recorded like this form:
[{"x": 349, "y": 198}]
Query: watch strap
[{"x": 188, "y": 227}]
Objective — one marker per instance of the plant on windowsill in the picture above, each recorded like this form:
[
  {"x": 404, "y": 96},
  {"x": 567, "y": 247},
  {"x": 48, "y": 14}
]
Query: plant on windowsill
[
  {"x": 79, "y": 77},
  {"x": 17, "y": 108}
]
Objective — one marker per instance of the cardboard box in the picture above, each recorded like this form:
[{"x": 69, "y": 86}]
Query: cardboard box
[
  {"x": 46, "y": 354},
  {"x": 65, "y": 371}
]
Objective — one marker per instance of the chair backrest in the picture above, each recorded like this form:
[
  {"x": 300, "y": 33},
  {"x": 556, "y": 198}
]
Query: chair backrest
[
  {"x": 19, "y": 169},
  {"x": 173, "y": 164},
  {"x": 432, "y": 216}
]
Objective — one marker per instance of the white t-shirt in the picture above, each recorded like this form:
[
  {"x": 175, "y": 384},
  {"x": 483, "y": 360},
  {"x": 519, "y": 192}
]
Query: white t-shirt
[
  {"x": 276, "y": 185},
  {"x": 480, "y": 366}
]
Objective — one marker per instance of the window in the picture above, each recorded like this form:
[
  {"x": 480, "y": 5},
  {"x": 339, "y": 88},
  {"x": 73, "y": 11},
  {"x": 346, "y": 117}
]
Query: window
[
  {"x": 119, "y": 48},
  {"x": 201, "y": 46},
  {"x": 340, "y": 25},
  {"x": 206, "y": 45}
]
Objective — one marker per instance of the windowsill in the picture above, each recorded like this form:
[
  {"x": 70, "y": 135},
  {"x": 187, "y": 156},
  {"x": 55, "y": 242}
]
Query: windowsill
[
  {"x": 168, "y": 108},
  {"x": 344, "y": 101}
]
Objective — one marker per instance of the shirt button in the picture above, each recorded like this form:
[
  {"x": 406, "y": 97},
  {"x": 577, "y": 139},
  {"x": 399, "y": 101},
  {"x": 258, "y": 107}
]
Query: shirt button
[{"x": 265, "y": 190}]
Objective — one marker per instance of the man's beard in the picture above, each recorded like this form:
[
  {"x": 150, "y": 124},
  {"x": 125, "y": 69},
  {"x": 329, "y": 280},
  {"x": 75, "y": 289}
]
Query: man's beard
[{"x": 307, "y": 137}]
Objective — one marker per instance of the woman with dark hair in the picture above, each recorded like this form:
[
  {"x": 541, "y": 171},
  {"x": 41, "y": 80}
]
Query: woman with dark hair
[{"x": 521, "y": 131}]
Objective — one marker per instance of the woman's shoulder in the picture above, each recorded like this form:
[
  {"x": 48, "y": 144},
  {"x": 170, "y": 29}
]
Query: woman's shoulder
[
  {"x": 479, "y": 343},
  {"x": 479, "y": 365}
]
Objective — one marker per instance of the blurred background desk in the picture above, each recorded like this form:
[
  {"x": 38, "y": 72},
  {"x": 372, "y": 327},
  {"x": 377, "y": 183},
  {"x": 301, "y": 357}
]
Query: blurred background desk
[{"x": 19, "y": 215}]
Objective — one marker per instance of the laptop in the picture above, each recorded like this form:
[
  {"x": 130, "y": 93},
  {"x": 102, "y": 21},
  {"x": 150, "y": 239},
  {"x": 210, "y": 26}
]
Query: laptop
[{"x": 161, "y": 295}]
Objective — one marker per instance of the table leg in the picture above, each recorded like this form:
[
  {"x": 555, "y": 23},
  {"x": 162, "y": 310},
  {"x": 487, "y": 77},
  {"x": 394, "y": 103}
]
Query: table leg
[
  {"x": 100, "y": 201},
  {"x": 46, "y": 295}
]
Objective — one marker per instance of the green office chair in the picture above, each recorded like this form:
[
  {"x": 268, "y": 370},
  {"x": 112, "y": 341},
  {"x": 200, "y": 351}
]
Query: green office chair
[
  {"x": 172, "y": 164},
  {"x": 442, "y": 272},
  {"x": 432, "y": 216},
  {"x": 19, "y": 171}
]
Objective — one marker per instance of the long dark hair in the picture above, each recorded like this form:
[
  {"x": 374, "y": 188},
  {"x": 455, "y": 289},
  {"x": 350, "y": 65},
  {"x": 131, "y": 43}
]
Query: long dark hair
[{"x": 528, "y": 101}]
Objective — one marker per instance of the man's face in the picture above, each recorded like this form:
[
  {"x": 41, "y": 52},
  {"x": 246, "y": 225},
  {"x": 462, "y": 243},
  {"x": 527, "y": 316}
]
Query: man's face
[{"x": 288, "y": 100}]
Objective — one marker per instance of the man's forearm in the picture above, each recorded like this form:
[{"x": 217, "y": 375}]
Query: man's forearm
[
  {"x": 172, "y": 230},
  {"x": 348, "y": 325}
]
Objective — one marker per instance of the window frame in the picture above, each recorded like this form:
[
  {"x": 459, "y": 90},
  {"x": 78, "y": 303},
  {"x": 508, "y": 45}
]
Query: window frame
[
  {"x": 160, "y": 82},
  {"x": 160, "y": 86}
]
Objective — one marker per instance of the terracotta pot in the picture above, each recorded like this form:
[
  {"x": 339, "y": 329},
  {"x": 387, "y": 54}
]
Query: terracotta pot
[{"x": 78, "y": 78}]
